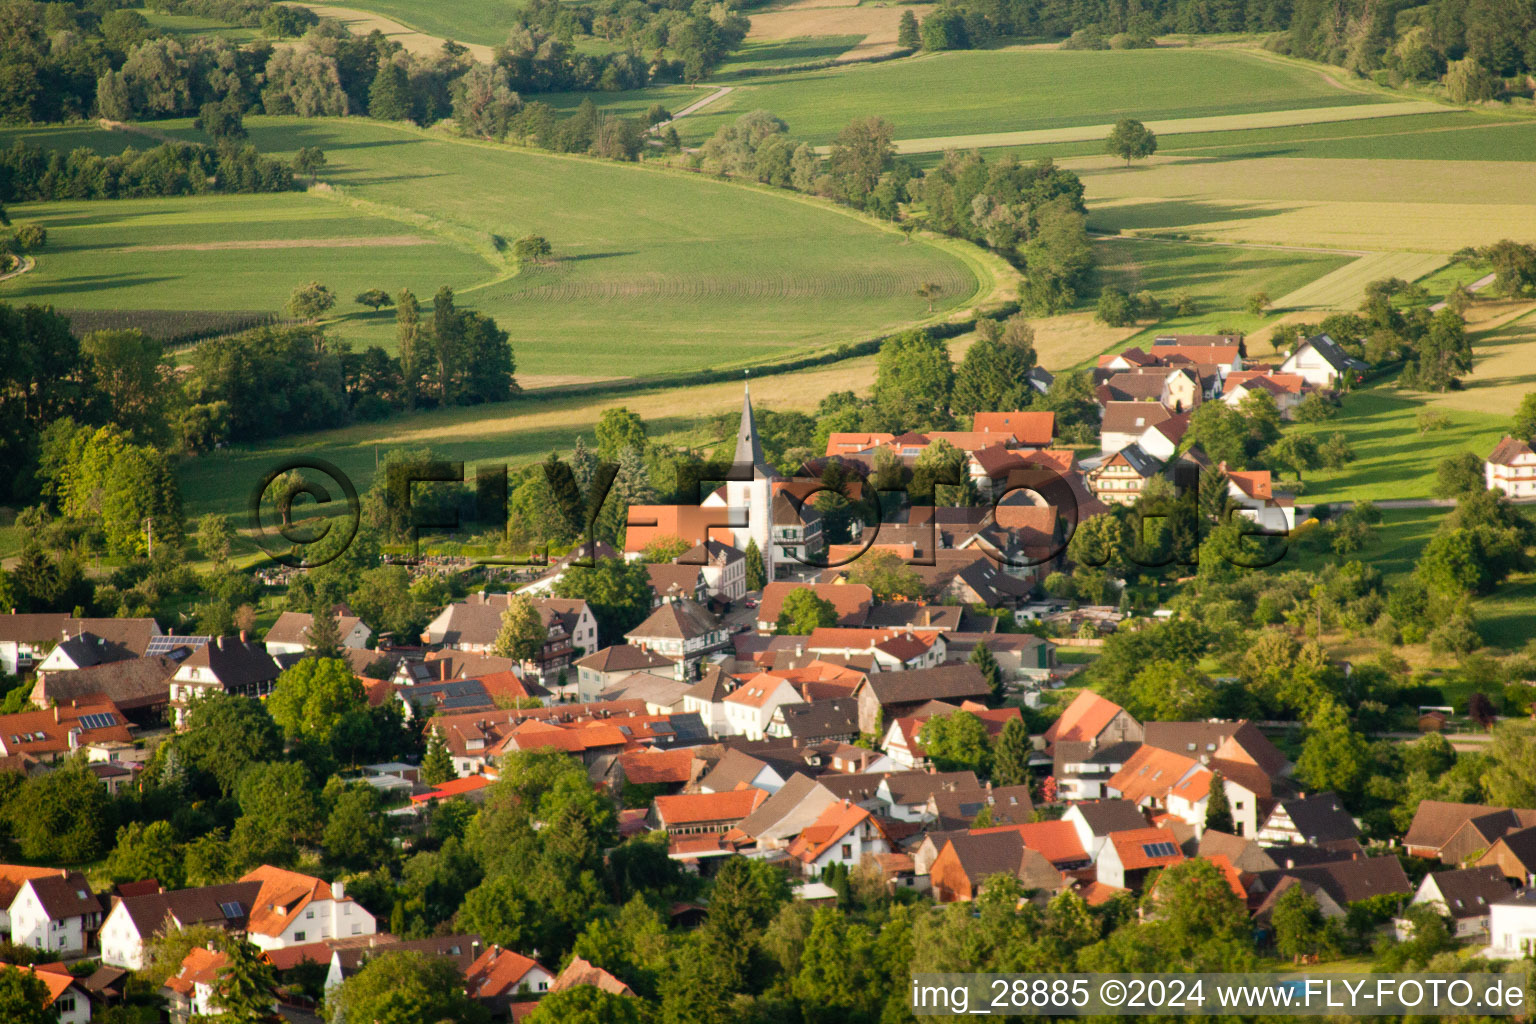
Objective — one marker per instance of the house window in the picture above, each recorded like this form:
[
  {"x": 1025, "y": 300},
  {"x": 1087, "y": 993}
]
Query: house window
[
  {"x": 847, "y": 851},
  {"x": 67, "y": 1004},
  {"x": 298, "y": 936},
  {"x": 309, "y": 915}
]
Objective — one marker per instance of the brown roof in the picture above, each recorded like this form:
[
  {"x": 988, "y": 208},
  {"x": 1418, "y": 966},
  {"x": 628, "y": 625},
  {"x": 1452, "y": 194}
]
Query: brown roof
[
  {"x": 294, "y": 627},
  {"x": 676, "y": 620},
  {"x": 62, "y": 728},
  {"x": 1106, "y": 816},
  {"x": 668, "y": 578},
  {"x": 204, "y": 905},
  {"x": 850, "y": 600},
  {"x": 1132, "y": 417},
  {"x": 1436, "y": 821},
  {"x": 136, "y": 682},
  {"x": 623, "y": 658},
  {"x": 1508, "y": 450},
  {"x": 13, "y": 876},
  {"x": 1228, "y": 741},
  {"x": 583, "y": 972},
  {"x": 1469, "y": 891},
  {"x": 65, "y": 895},
  {"x": 43, "y": 627},
  {"x": 943, "y": 682},
  {"x": 1243, "y": 854},
  {"x": 1349, "y": 881}
]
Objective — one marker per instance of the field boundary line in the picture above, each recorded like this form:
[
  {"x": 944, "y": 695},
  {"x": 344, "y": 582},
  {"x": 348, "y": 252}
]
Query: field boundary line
[
  {"x": 344, "y": 12},
  {"x": 1292, "y": 118},
  {"x": 1109, "y": 236}
]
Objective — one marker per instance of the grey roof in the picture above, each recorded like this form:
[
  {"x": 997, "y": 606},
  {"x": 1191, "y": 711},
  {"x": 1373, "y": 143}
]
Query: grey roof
[
  {"x": 1320, "y": 817},
  {"x": 1349, "y": 881},
  {"x": 461, "y": 950},
  {"x": 1243, "y": 854},
  {"x": 749, "y": 447},
  {"x": 294, "y": 627},
  {"x": 819, "y": 719},
  {"x": 1140, "y": 461},
  {"x": 1195, "y": 738},
  {"x": 735, "y": 768},
  {"x": 652, "y": 689},
  {"x": 236, "y": 662},
  {"x": 1330, "y": 350},
  {"x": 797, "y": 803},
  {"x": 136, "y": 682},
  {"x": 713, "y": 686},
  {"x": 1132, "y": 417},
  {"x": 1106, "y": 816},
  {"x": 916, "y": 787}
]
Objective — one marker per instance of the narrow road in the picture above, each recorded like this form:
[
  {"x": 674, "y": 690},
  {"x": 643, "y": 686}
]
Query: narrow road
[
  {"x": 1475, "y": 286},
  {"x": 1396, "y": 503},
  {"x": 27, "y": 263}
]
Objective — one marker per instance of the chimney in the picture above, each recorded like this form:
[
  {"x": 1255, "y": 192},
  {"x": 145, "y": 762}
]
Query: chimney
[
  {"x": 442, "y": 669},
  {"x": 338, "y": 890},
  {"x": 56, "y": 717}
]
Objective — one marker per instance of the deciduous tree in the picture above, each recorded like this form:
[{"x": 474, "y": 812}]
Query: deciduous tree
[{"x": 1130, "y": 140}]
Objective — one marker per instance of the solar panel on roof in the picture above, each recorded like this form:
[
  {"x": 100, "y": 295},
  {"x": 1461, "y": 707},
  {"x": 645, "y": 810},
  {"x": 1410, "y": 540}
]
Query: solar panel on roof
[
  {"x": 98, "y": 721},
  {"x": 166, "y": 644},
  {"x": 1159, "y": 849},
  {"x": 232, "y": 910}
]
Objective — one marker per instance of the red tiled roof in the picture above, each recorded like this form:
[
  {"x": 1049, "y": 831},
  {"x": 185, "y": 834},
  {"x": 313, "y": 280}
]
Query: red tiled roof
[
  {"x": 453, "y": 788},
  {"x": 650, "y": 767},
  {"x": 1256, "y": 483},
  {"x": 1151, "y": 773},
  {"x": 835, "y": 822},
  {"x": 692, "y": 524},
  {"x": 1030, "y": 428},
  {"x": 1056, "y": 841},
  {"x": 497, "y": 972},
  {"x": 1508, "y": 450},
  {"x": 1130, "y": 846},
  {"x": 1083, "y": 719},
  {"x": 690, "y": 808},
  {"x": 850, "y": 600}
]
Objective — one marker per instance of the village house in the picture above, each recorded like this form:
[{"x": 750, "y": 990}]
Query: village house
[
  {"x": 968, "y": 860},
  {"x": 236, "y": 666},
  {"x": 1512, "y": 926},
  {"x": 472, "y": 625},
  {"x": 1026, "y": 429},
  {"x": 722, "y": 567},
  {"x": 189, "y": 992},
  {"x": 816, "y": 721},
  {"x": 1315, "y": 819},
  {"x": 499, "y": 979},
  {"x": 1123, "y": 423},
  {"x": 1126, "y": 858},
  {"x": 892, "y": 695},
  {"x": 1091, "y": 718},
  {"x": 689, "y": 814},
  {"x": 133, "y": 920},
  {"x": 1511, "y": 468},
  {"x": 1452, "y": 832},
  {"x": 681, "y": 630},
  {"x": 737, "y": 769},
  {"x": 1321, "y": 362},
  {"x": 904, "y": 795},
  {"x": 1253, "y": 491},
  {"x": 67, "y": 995},
  {"x": 844, "y": 833},
  {"x": 750, "y": 707},
  {"x": 1465, "y": 895},
  {"x": 1120, "y": 478},
  {"x": 140, "y": 688},
  {"x": 292, "y": 908},
  {"x": 598, "y": 671},
  {"x": 62, "y": 730},
  {"x": 852, "y": 602},
  {"x": 1286, "y": 389},
  {"x": 1160, "y": 780},
  {"x": 290, "y": 633},
  {"x": 56, "y": 912},
  {"x": 1513, "y": 853},
  {"x": 1095, "y": 820},
  {"x": 26, "y": 640}
]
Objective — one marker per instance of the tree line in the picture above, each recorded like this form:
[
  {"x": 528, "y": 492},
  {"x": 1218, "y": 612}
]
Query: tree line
[{"x": 31, "y": 173}]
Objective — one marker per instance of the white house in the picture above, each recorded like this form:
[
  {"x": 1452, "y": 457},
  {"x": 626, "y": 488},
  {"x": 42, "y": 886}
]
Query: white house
[
  {"x": 1320, "y": 361},
  {"x": 135, "y": 919},
  {"x": 68, "y": 999},
  {"x": 292, "y": 909},
  {"x": 1512, "y": 468},
  {"x": 1253, "y": 491},
  {"x": 1095, "y": 820},
  {"x": 1466, "y": 896},
  {"x": 1512, "y": 926},
  {"x": 706, "y": 698},
  {"x": 750, "y": 707},
  {"x": 680, "y": 629},
  {"x": 57, "y": 912},
  {"x": 843, "y": 834}
]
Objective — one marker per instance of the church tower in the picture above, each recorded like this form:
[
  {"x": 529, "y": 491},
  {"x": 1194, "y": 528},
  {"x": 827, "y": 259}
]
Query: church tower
[{"x": 751, "y": 501}]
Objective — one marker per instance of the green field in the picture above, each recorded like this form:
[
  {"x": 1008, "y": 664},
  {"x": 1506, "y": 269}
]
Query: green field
[
  {"x": 467, "y": 21},
  {"x": 1218, "y": 278},
  {"x": 1392, "y": 460},
  {"x": 1399, "y": 538},
  {"x": 775, "y": 53},
  {"x": 967, "y": 91},
  {"x": 1452, "y": 135},
  {"x": 655, "y": 271},
  {"x": 183, "y": 25},
  {"x": 152, "y": 253}
]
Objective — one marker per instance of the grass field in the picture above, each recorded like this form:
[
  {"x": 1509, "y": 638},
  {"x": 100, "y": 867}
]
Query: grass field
[
  {"x": 1423, "y": 205},
  {"x": 1219, "y": 278},
  {"x": 1177, "y": 126},
  {"x": 873, "y": 26},
  {"x": 775, "y": 53},
  {"x": 969, "y": 91},
  {"x": 1449, "y": 134},
  {"x": 1392, "y": 460},
  {"x": 192, "y": 25},
  {"x": 159, "y": 254},
  {"x": 655, "y": 271},
  {"x": 485, "y": 22},
  {"x": 1344, "y": 287},
  {"x": 1399, "y": 538}
]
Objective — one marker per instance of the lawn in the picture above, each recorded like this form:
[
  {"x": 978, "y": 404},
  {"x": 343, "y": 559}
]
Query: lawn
[
  {"x": 1392, "y": 459},
  {"x": 967, "y": 91},
  {"x": 1345, "y": 287},
  {"x": 776, "y": 53},
  {"x": 655, "y": 271}
]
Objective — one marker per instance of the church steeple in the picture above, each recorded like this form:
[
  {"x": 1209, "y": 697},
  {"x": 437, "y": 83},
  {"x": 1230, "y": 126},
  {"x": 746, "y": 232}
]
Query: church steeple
[{"x": 749, "y": 448}]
